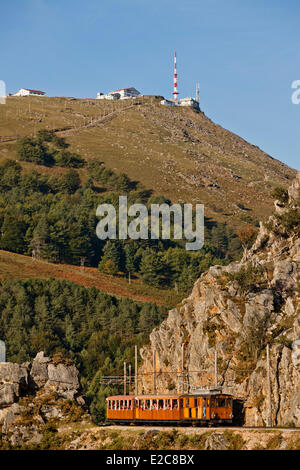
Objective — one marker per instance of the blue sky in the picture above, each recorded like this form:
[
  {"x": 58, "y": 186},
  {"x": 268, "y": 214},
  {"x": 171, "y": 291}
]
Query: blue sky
[{"x": 244, "y": 53}]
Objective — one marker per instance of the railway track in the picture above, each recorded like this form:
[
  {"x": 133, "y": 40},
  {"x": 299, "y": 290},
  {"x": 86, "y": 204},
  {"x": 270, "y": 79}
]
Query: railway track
[{"x": 199, "y": 428}]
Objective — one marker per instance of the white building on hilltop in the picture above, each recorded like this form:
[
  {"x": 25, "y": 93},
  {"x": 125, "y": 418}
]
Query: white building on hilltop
[
  {"x": 190, "y": 102},
  {"x": 122, "y": 94},
  {"x": 187, "y": 102},
  {"x": 28, "y": 92}
]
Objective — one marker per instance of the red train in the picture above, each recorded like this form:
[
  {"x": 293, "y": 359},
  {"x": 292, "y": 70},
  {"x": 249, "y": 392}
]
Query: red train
[{"x": 197, "y": 409}]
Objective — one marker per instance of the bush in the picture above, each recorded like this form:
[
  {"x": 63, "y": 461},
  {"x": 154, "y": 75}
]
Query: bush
[
  {"x": 281, "y": 194},
  {"x": 47, "y": 149},
  {"x": 291, "y": 221},
  {"x": 248, "y": 277}
]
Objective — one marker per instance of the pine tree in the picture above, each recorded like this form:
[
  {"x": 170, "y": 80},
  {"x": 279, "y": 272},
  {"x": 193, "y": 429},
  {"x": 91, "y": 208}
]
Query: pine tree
[
  {"x": 130, "y": 265},
  {"x": 152, "y": 269},
  {"x": 111, "y": 253}
]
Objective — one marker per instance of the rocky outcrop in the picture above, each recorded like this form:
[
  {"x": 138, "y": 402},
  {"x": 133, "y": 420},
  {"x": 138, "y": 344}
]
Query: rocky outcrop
[
  {"x": 236, "y": 310},
  {"x": 31, "y": 395}
]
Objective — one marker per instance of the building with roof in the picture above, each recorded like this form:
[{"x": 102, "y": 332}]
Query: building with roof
[
  {"x": 190, "y": 102},
  {"x": 122, "y": 94},
  {"x": 29, "y": 92}
]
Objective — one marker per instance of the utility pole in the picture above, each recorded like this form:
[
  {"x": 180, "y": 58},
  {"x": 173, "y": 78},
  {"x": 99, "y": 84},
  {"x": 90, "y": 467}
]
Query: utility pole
[
  {"x": 154, "y": 371},
  {"x": 135, "y": 370},
  {"x": 129, "y": 378},
  {"x": 269, "y": 421},
  {"x": 216, "y": 368},
  {"x": 182, "y": 368},
  {"x": 124, "y": 378}
]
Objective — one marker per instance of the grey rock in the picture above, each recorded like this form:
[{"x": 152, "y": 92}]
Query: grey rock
[
  {"x": 10, "y": 416},
  {"x": 8, "y": 394},
  {"x": 50, "y": 412},
  {"x": 39, "y": 370},
  {"x": 217, "y": 441},
  {"x": 13, "y": 373},
  {"x": 64, "y": 379}
]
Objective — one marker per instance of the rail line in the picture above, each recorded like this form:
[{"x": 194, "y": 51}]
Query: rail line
[{"x": 195, "y": 428}]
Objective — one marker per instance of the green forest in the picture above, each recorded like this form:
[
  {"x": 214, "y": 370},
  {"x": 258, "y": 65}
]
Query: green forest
[
  {"x": 96, "y": 331},
  {"x": 54, "y": 218}
]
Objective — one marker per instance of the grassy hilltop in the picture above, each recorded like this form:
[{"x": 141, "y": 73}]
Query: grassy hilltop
[{"x": 176, "y": 152}]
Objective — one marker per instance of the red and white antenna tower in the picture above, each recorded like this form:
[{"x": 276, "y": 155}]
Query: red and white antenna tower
[{"x": 175, "y": 92}]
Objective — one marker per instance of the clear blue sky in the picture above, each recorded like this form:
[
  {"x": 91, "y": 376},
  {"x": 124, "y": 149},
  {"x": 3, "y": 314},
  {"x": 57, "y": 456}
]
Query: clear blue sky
[{"x": 244, "y": 53}]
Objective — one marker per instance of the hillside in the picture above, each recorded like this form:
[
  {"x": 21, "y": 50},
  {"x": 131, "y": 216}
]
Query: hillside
[
  {"x": 176, "y": 152},
  {"x": 15, "y": 266}
]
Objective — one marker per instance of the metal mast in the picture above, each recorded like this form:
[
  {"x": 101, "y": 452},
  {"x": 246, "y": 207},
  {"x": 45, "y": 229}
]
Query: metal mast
[
  {"x": 175, "y": 92},
  {"x": 197, "y": 93}
]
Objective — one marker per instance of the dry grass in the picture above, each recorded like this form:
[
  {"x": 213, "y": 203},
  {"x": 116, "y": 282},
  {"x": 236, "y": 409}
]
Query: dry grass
[
  {"x": 176, "y": 152},
  {"x": 15, "y": 266}
]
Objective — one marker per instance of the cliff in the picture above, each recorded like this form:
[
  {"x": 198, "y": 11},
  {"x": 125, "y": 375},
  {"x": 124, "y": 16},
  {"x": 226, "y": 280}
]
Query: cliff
[
  {"x": 236, "y": 311},
  {"x": 36, "y": 399}
]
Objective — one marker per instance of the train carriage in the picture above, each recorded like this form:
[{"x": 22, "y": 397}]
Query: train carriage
[{"x": 196, "y": 409}]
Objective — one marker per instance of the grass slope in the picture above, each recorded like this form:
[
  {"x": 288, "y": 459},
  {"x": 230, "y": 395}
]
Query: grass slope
[
  {"x": 175, "y": 151},
  {"x": 15, "y": 266}
]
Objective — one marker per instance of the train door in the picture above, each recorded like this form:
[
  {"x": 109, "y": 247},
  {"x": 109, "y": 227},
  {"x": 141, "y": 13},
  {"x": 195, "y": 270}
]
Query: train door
[
  {"x": 205, "y": 408},
  {"x": 181, "y": 408},
  {"x": 194, "y": 409},
  {"x": 186, "y": 409}
]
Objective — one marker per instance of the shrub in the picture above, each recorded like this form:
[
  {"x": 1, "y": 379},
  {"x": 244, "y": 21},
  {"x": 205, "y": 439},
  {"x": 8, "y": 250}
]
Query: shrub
[
  {"x": 248, "y": 277},
  {"x": 281, "y": 194},
  {"x": 291, "y": 221}
]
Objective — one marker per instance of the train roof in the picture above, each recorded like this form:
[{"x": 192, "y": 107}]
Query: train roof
[
  {"x": 120, "y": 397},
  {"x": 164, "y": 397}
]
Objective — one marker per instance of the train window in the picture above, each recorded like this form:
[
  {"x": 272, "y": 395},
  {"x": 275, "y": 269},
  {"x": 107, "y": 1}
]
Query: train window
[
  {"x": 154, "y": 404},
  {"x": 195, "y": 402},
  {"x": 147, "y": 404},
  {"x": 228, "y": 403},
  {"x": 221, "y": 402},
  {"x": 181, "y": 403},
  {"x": 186, "y": 402},
  {"x": 167, "y": 404},
  {"x": 161, "y": 404},
  {"x": 174, "y": 404}
]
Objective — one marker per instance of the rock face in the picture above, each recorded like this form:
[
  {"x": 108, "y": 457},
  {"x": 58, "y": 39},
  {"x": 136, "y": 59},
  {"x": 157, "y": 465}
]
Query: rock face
[
  {"x": 44, "y": 390},
  {"x": 237, "y": 310},
  {"x": 59, "y": 377}
]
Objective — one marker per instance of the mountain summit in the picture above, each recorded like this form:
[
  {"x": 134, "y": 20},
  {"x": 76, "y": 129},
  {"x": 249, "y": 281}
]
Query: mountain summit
[{"x": 175, "y": 151}]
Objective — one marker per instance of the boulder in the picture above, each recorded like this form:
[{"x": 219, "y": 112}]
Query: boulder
[
  {"x": 39, "y": 370},
  {"x": 217, "y": 441}
]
